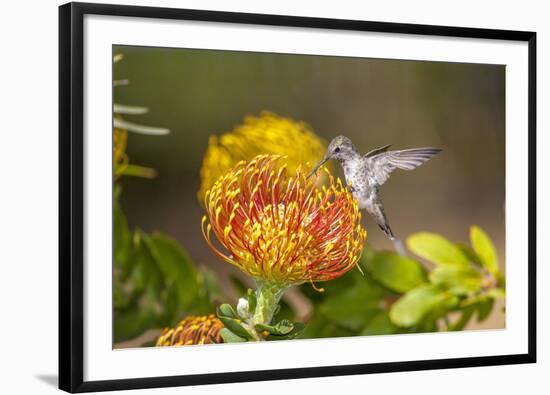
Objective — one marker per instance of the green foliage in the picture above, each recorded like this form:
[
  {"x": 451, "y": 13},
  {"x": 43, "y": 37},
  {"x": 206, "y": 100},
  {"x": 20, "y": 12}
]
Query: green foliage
[
  {"x": 138, "y": 171},
  {"x": 465, "y": 279},
  {"x": 398, "y": 273},
  {"x": 155, "y": 283},
  {"x": 484, "y": 308},
  {"x": 410, "y": 309},
  {"x": 234, "y": 323},
  {"x": 351, "y": 305},
  {"x": 399, "y": 295},
  {"x": 457, "y": 280},
  {"x": 437, "y": 249},
  {"x": 484, "y": 248},
  {"x": 380, "y": 324},
  {"x": 230, "y": 337},
  {"x": 281, "y": 328},
  {"x": 240, "y": 325},
  {"x": 284, "y": 330},
  {"x": 226, "y": 311}
]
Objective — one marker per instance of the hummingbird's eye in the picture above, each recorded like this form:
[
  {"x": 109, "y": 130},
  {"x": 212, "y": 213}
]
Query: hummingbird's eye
[{"x": 337, "y": 149}]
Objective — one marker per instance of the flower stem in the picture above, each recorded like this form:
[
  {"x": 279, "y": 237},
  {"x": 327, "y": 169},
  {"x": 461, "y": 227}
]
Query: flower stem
[{"x": 268, "y": 295}]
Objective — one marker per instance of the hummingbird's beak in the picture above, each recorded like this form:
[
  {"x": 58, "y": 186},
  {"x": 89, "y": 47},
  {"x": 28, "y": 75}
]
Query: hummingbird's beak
[{"x": 317, "y": 167}]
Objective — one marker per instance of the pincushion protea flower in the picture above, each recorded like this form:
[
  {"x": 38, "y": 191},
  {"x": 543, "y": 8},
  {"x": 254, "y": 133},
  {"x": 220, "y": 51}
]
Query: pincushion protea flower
[
  {"x": 267, "y": 134},
  {"x": 283, "y": 229},
  {"x": 192, "y": 330}
]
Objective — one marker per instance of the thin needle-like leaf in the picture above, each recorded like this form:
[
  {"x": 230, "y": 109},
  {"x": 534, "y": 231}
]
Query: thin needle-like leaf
[
  {"x": 132, "y": 110},
  {"x": 133, "y": 127},
  {"x": 121, "y": 82}
]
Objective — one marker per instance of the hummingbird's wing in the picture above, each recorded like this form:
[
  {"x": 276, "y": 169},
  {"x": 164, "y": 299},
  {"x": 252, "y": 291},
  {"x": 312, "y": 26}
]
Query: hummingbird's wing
[
  {"x": 384, "y": 163},
  {"x": 376, "y": 151}
]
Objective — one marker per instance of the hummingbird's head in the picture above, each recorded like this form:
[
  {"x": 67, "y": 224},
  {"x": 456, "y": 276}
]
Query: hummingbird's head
[{"x": 340, "y": 148}]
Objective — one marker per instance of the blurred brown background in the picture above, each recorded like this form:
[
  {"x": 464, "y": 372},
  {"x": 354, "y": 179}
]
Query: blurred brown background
[{"x": 196, "y": 93}]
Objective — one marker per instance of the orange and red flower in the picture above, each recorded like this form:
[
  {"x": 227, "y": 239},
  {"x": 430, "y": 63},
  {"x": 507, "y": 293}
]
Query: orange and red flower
[
  {"x": 283, "y": 229},
  {"x": 192, "y": 330}
]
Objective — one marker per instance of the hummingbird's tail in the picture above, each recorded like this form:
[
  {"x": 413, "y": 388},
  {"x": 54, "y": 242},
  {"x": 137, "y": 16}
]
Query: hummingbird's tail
[
  {"x": 380, "y": 216},
  {"x": 386, "y": 229},
  {"x": 377, "y": 211}
]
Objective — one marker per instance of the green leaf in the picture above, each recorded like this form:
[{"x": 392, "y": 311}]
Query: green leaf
[
  {"x": 209, "y": 290},
  {"x": 130, "y": 324},
  {"x": 352, "y": 307},
  {"x": 170, "y": 303},
  {"x": 138, "y": 171},
  {"x": 121, "y": 235},
  {"x": 437, "y": 249},
  {"x": 298, "y": 328},
  {"x": 283, "y": 327},
  {"x": 415, "y": 304},
  {"x": 380, "y": 324},
  {"x": 427, "y": 325},
  {"x": 176, "y": 267},
  {"x": 235, "y": 326},
  {"x": 398, "y": 273},
  {"x": 226, "y": 310},
  {"x": 321, "y": 326},
  {"x": 470, "y": 253},
  {"x": 464, "y": 319},
  {"x": 121, "y": 298},
  {"x": 484, "y": 248},
  {"x": 230, "y": 337},
  {"x": 484, "y": 309},
  {"x": 130, "y": 110},
  {"x": 451, "y": 303},
  {"x": 459, "y": 281},
  {"x": 133, "y": 322},
  {"x": 143, "y": 271},
  {"x": 142, "y": 129}
]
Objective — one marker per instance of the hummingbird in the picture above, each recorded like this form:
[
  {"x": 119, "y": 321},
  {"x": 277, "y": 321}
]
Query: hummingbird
[{"x": 366, "y": 173}]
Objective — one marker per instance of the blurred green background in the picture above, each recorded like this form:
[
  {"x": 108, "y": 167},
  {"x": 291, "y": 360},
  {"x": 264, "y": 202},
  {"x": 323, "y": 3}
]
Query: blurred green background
[{"x": 195, "y": 93}]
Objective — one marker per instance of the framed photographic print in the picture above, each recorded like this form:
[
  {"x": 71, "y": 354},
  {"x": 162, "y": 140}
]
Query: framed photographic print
[{"x": 253, "y": 197}]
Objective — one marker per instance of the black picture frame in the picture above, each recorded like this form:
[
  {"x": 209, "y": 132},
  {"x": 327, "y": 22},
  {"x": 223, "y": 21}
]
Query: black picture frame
[{"x": 71, "y": 198}]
